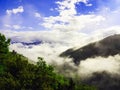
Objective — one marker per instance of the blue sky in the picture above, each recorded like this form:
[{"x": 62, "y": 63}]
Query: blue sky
[
  {"x": 30, "y": 7},
  {"x": 44, "y": 6},
  {"x": 35, "y": 12}
]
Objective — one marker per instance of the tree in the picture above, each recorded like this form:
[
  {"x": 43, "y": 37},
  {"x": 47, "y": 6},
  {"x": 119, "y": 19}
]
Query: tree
[
  {"x": 4, "y": 49},
  {"x": 4, "y": 43}
]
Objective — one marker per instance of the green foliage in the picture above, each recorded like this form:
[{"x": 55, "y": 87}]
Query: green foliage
[
  {"x": 1, "y": 68},
  {"x": 4, "y": 43},
  {"x": 16, "y": 73}
]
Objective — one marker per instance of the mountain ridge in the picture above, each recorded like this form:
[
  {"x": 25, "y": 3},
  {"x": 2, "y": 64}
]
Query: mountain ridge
[{"x": 104, "y": 48}]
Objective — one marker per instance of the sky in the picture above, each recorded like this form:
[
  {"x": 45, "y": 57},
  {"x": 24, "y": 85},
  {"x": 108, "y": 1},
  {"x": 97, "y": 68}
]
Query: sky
[
  {"x": 39, "y": 15},
  {"x": 63, "y": 23},
  {"x": 60, "y": 25}
]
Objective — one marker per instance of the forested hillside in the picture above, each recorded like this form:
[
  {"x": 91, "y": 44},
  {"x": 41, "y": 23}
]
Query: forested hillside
[
  {"x": 108, "y": 46},
  {"x": 16, "y": 73}
]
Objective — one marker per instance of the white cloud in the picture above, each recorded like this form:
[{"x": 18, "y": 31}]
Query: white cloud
[
  {"x": 51, "y": 9},
  {"x": 69, "y": 19},
  {"x": 16, "y": 26},
  {"x": 37, "y": 15},
  {"x": 14, "y": 17},
  {"x": 67, "y": 7},
  {"x": 99, "y": 64},
  {"x": 6, "y": 25},
  {"x": 56, "y": 41},
  {"x": 73, "y": 22},
  {"x": 20, "y": 9},
  {"x": 89, "y": 5}
]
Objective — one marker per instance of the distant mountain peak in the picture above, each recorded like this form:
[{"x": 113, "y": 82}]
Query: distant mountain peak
[
  {"x": 35, "y": 42},
  {"x": 104, "y": 48}
]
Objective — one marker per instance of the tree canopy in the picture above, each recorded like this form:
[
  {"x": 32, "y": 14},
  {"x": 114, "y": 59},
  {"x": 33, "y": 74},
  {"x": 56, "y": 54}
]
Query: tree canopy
[{"x": 16, "y": 73}]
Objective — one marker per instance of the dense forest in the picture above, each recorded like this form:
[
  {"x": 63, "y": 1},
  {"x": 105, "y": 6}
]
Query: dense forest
[{"x": 17, "y": 73}]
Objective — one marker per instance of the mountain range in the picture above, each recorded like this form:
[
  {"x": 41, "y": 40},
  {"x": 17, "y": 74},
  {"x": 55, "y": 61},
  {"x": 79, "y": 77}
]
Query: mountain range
[{"x": 104, "y": 48}]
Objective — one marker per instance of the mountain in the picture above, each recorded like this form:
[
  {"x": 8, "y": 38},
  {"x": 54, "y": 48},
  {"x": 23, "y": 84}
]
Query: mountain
[
  {"x": 28, "y": 43},
  {"x": 104, "y": 48}
]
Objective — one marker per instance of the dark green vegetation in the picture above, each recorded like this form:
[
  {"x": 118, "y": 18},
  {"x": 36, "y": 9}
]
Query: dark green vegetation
[
  {"x": 106, "y": 47},
  {"x": 104, "y": 81},
  {"x": 16, "y": 73}
]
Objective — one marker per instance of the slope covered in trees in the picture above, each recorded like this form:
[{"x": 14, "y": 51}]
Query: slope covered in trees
[{"x": 16, "y": 73}]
